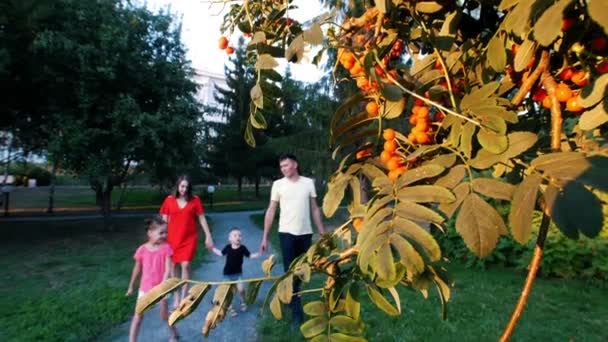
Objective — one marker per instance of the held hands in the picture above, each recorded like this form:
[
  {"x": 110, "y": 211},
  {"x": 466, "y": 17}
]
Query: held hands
[{"x": 209, "y": 242}]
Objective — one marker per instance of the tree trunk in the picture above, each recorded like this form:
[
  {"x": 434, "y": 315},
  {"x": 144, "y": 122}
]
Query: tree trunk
[
  {"x": 103, "y": 195},
  {"x": 52, "y": 189},
  {"x": 121, "y": 198}
]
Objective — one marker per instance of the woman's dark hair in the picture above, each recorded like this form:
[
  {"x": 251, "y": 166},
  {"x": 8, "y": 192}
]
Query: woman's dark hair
[
  {"x": 188, "y": 189},
  {"x": 153, "y": 222}
]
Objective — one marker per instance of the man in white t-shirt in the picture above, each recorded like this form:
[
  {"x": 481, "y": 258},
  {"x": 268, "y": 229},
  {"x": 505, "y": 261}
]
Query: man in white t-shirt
[{"x": 297, "y": 198}]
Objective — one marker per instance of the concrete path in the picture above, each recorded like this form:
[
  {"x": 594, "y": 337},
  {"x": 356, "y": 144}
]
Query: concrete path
[{"x": 240, "y": 328}]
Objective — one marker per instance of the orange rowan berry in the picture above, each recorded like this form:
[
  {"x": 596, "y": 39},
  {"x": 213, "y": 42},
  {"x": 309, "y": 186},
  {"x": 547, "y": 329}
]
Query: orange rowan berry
[
  {"x": 223, "y": 43},
  {"x": 393, "y": 163},
  {"x": 563, "y": 92},
  {"x": 580, "y": 78},
  {"x": 371, "y": 108},
  {"x": 385, "y": 156},
  {"x": 388, "y": 134},
  {"x": 390, "y": 146},
  {"x": 574, "y": 105}
]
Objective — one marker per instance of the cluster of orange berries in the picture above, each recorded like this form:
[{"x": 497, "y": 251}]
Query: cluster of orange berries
[
  {"x": 392, "y": 161},
  {"x": 357, "y": 223},
  {"x": 223, "y": 45},
  {"x": 563, "y": 91},
  {"x": 420, "y": 119}
]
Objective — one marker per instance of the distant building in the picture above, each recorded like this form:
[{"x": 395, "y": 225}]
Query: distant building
[{"x": 207, "y": 81}]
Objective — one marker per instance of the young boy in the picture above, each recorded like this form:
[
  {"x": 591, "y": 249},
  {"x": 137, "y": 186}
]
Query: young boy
[{"x": 233, "y": 269}]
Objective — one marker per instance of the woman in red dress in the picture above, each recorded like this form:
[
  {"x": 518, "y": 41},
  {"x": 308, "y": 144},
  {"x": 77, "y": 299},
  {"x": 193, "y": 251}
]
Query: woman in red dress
[{"x": 181, "y": 210}]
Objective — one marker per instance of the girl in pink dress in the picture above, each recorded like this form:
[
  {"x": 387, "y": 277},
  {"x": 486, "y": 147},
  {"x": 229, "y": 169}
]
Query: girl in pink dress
[{"x": 153, "y": 262}]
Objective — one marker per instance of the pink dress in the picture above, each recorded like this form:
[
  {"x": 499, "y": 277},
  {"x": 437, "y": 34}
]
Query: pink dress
[
  {"x": 152, "y": 265},
  {"x": 182, "y": 233}
]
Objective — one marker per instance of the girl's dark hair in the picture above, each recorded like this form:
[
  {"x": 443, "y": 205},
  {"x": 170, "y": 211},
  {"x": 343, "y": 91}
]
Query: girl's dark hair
[
  {"x": 188, "y": 189},
  {"x": 153, "y": 222}
]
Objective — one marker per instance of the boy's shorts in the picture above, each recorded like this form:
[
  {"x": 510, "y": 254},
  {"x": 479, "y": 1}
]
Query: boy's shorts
[{"x": 233, "y": 277}]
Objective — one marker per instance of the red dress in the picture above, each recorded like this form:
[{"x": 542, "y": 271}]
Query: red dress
[{"x": 182, "y": 233}]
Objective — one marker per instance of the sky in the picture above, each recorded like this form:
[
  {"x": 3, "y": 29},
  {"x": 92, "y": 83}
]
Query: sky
[{"x": 200, "y": 33}]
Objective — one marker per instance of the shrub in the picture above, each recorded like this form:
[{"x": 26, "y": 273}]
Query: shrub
[{"x": 562, "y": 257}]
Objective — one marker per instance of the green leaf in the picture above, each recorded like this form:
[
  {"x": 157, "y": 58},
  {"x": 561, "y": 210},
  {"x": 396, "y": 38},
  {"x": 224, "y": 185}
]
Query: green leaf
[
  {"x": 418, "y": 213},
  {"x": 426, "y": 193},
  {"x": 258, "y": 37},
  {"x": 522, "y": 208},
  {"x": 598, "y": 11},
  {"x": 422, "y": 172},
  {"x": 574, "y": 209},
  {"x": 492, "y": 142},
  {"x": 383, "y": 264},
  {"x": 428, "y": 7},
  {"x": 340, "y": 337},
  {"x": 275, "y": 308},
  {"x": 519, "y": 142},
  {"x": 454, "y": 136},
  {"x": 157, "y": 293},
  {"x": 479, "y": 224},
  {"x": 422, "y": 65},
  {"x": 524, "y": 54},
  {"x": 352, "y": 305},
  {"x": 593, "y": 118},
  {"x": 466, "y": 138},
  {"x": 494, "y": 123},
  {"x": 313, "y": 35},
  {"x": 320, "y": 338},
  {"x": 252, "y": 291},
  {"x": 497, "y": 56},
  {"x": 409, "y": 256},
  {"x": 566, "y": 166},
  {"x": 313, "y": 327},
  {"x": 381, "y": 302},
  {"x": 249, "y": 139},
  {"x": 266, "y": 61},
  {"x": 549, "y": 25},
  {"x": 421, "y": 237},
  {"x": 257, "y": 120},
  {"x": 392, "y": 109},
  {"x": 507, "y": 4},
  {"x": 454, "y": 176},
  {"x": 295, "y": 49},
  {"x": 285, "y": 289},
  {"x": 594, "y": 92},
  {"x": 257, "y": 96},
  {"x": 493, "y": 188},
  {"x": 346, "y": 324},
  {"x": 335, "y": 193},
  {"x": 189, "y": 303},
  {"x": 344, "y": 107},
  {"x": 316, "y": 308},
  {"x": 461, "y": 192},
  {"x": 391, "y": 92},
  {"x": 445, "y": 160}
]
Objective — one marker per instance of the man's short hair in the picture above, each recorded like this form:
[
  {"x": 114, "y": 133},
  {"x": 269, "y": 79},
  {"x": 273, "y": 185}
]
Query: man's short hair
[{"x": 287, "y": 156}]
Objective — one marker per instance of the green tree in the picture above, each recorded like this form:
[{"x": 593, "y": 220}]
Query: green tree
[{"x": 111, "y": 88}]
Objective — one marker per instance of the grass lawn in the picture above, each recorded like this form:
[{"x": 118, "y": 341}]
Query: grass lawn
[
  {"x": 66, "y": 280},
  {"x": 140, "y": 197},
  {"x": 481, "y": 305}
]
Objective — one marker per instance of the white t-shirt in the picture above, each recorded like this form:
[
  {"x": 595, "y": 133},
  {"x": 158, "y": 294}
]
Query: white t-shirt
[{"x": 294, "y": 203}]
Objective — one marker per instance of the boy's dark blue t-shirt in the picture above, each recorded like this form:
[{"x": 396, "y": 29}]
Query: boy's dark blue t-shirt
[{"x": 234, "y": 259}]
